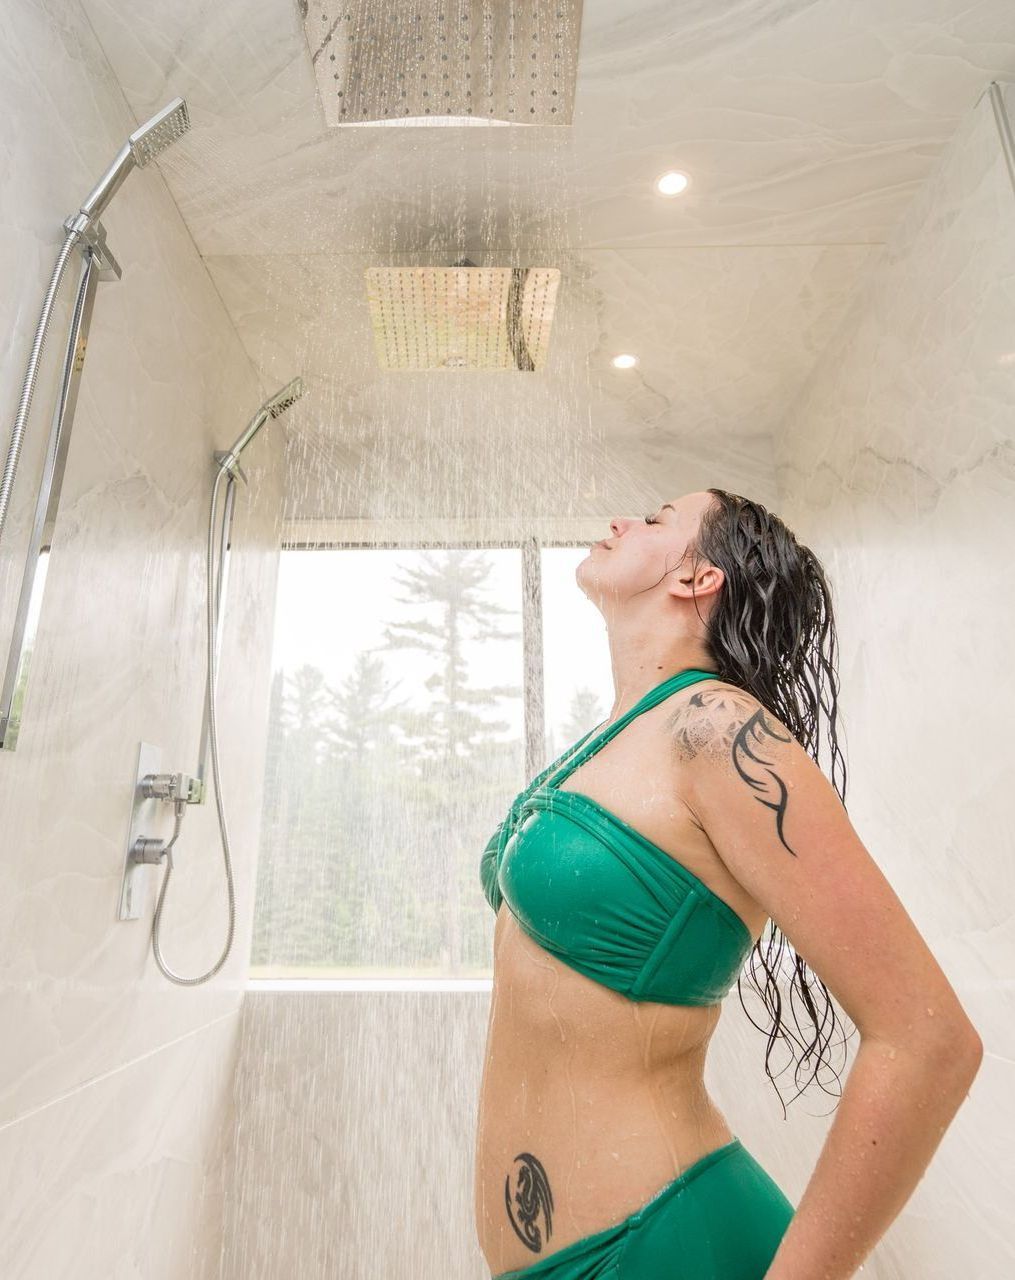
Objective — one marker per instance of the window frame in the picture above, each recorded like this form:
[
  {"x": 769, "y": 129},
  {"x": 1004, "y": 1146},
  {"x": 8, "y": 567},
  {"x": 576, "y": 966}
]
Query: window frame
[{"x": 529, "y": 538}]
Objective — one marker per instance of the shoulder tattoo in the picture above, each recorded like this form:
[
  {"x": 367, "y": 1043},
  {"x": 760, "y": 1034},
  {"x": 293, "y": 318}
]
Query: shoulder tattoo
[{"x": 730, "y": 726}]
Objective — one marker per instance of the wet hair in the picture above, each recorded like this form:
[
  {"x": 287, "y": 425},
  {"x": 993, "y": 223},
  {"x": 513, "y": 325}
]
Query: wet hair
[{"x": 772, "y": 632}]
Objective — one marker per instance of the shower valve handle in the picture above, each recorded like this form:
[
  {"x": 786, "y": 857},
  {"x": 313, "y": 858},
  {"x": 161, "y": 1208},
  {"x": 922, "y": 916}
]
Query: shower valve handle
[
  {"x": 171, "y": 787},
  {"x": 146, "y": 849}
]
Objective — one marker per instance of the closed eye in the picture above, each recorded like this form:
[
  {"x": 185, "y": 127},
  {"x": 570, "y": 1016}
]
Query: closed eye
[{"x": 652, "y": 520}]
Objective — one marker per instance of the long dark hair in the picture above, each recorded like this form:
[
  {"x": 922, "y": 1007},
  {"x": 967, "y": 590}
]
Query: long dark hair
[{"x": 772, "y": 632}]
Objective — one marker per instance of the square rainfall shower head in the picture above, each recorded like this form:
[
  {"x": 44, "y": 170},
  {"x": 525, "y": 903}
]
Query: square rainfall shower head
[
  {"x": 462, "y": 317},
  {"x": 391, "y": 62}
]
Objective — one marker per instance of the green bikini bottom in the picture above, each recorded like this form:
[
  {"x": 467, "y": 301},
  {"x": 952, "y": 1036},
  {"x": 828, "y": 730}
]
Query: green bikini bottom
[{"x": 721, "y": 1219}]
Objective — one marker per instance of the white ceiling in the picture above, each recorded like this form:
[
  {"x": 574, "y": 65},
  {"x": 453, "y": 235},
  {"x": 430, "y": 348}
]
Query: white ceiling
[{"x": 806, "y": 127}]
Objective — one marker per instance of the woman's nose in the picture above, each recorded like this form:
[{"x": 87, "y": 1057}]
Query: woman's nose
[{"x": 616, "y": 524}]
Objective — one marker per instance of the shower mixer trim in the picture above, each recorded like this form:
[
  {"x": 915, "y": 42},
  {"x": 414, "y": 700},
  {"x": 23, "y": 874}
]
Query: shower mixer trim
[{"x": 179, "y": 789}]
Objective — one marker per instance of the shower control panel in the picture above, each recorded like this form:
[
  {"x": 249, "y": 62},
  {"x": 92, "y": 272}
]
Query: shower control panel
[{"x": 151, "y": 793}]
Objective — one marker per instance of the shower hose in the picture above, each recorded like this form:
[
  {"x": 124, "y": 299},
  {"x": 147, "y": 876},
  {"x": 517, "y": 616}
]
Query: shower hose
[
  {"x": 214, "y": 605},
  {"x": 31, "y": 373}
]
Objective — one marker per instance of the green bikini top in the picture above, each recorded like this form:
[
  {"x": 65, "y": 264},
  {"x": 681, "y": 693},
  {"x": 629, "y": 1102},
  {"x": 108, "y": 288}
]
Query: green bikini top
[{"x": 604, "y": 899}]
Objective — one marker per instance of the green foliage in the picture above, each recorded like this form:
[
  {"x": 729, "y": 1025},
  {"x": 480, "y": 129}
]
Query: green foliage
[{"x": 376, "y": 811}]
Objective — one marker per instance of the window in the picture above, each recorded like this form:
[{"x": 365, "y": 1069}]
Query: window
[
  {"x": 578, "y": 679},
  {"x": 396, "y": 740}
]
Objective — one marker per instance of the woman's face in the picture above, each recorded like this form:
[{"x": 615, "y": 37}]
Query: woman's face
[{"x": 639, "y": 553}]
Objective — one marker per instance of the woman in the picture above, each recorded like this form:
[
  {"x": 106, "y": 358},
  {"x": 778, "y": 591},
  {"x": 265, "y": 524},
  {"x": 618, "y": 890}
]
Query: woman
[{"x": 633, "y": 878}]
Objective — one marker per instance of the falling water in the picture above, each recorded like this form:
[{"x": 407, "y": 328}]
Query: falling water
[{"x": 396, "y": 728}]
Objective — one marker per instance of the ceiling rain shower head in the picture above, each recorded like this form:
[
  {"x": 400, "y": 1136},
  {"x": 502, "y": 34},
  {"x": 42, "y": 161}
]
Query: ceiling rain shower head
[
  {"x": 394, "y": 62},
  {"x": 462, "y": 317},
  {"x": 143, "y": 145}
]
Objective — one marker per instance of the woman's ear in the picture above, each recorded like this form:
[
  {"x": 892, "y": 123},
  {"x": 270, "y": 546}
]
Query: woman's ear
[{"x": 698, "y": 582}]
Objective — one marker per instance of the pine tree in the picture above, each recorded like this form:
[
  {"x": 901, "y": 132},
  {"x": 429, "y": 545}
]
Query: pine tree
[
  {"x": 361, "y": 716},
  {"x": 449, "y": 733},
  {"x": 454, "y": 583},
  {"x": 583, "y": 714}
]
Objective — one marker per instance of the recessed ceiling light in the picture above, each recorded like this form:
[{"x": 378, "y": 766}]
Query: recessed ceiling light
[
  {"x": 624, "y": 362},
  {"x": 671, "y": 184}
]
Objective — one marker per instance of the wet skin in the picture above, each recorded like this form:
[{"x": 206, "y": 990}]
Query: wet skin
[{"x": 591, "y": 1102}]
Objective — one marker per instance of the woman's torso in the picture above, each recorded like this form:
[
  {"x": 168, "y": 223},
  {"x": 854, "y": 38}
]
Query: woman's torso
[{"x": 605, "y": 1093}]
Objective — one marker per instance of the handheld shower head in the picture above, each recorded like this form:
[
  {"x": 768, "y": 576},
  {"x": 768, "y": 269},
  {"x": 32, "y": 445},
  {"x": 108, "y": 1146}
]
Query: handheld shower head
[
  {"x": 143, "y": 145},
  {"x": 284, "y": 398},
  {"x": 159, "y": 132},
  {"x": 273, "y": 407}
]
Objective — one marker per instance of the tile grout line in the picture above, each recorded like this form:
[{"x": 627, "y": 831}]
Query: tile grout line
[{"x": 123, "y": 1066}]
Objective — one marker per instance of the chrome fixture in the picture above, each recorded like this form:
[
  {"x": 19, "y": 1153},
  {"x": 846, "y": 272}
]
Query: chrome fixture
[
  {"x": 462, "y": 317},
  {"x": 181, "y": 789},
  {"x": 228, "y": 466},
  {"x": 273, "y": 408},
  {"x": 158, "y": 133},
  {"x": 85, "y": 233},
  {"x": 389, "y": 62}
]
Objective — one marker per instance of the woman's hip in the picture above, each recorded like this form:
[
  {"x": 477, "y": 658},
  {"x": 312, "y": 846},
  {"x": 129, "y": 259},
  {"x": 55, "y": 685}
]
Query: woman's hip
[{"x": 721, "y": 1219}]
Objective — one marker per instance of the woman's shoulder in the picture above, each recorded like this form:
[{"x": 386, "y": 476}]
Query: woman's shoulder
[{"x": 718, "y": 714}]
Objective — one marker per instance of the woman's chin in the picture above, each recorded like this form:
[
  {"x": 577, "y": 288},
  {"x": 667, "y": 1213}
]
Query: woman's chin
[{"x": 585, "y": 570}]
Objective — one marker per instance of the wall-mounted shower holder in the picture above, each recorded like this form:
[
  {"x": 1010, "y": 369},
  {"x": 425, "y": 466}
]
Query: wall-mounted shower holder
[
  {"x": 92, "y": 235},
  {"x": 151, "y": 790}
]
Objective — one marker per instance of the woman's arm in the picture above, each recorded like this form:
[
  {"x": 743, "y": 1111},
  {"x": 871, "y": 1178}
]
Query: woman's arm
[
  {"x": 780, "y": 828},
  {"x": 896, "y": 1105}
]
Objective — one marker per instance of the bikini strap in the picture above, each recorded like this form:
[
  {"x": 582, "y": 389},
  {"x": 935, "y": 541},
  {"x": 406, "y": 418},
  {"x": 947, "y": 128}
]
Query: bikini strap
[
  {"x": 541, "y": 777},
  {"x": 587, "y": 749}
]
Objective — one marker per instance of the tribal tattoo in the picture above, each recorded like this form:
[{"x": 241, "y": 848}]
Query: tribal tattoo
[
  {"x": 532, "y": 1199},
  {"x": 724, "y": 723}
]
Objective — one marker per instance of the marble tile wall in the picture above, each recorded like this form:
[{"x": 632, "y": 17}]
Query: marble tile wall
[
  {"x": 897, "y": 465},
  {"x": 111, "y": 1077}
]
